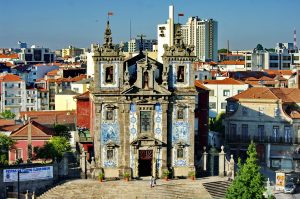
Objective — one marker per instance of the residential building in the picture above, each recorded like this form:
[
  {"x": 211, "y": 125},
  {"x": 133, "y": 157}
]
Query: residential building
[
  {"x": 65, "y": 100},
  {"x": 37, "y": 99},
  {"x": 28, "y": 136},
  {"x": 35, "y": 55},
  {"x": 13, "y": 94},
  {"x": 38, "y": 71},
  {"x": 219, "y": 91},
  {"x": 135, "y": 45},
  {"x": 71, "y": 51},
  {"x": 9, "y": 57},
  {"x": 81, "y": 86},
  {"x": 165, "y": 34},
  {"x": 203, "y": 35},
  {"x": 228, "y": 65},
  {"x": 271, "y": 118}
]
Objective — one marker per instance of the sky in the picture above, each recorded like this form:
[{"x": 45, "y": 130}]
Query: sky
[{"x": 60, "y": 23}]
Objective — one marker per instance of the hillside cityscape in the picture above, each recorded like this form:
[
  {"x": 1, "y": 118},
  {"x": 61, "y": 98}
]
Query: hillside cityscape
[{"x": 174, "y": 116}]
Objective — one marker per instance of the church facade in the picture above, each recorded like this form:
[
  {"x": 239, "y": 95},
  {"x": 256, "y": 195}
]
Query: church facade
[{"x": 143, "y": 110}]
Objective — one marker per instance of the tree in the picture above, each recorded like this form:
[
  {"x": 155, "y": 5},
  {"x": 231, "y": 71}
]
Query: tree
[
  {"x": 249, "y": 182},
  {"x": 223, "y": 50},
  {"x": 7, "y": 114},
  {"x": 215, "y": 124},
  {"x": 63, "y": 131},
  {"x": 55, "y": 147},
  {"x": 6, "y": 143},
  {"x": 259, "y": 47}
]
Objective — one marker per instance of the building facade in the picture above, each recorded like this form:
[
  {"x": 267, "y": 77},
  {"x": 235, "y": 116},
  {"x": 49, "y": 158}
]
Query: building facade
[
  {"x": 143, "y": 111},
  {"x": 35, "y": 55}
]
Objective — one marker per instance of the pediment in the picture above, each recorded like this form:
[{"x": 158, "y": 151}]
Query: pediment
[
  {"x": 139, "y": 91},
  {"x": 147, "y": 139}
]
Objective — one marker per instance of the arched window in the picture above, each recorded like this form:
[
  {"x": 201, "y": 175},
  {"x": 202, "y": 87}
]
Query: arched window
[
  {"x": 180, "y": 74},
  {"x": 109, "y": 74}
]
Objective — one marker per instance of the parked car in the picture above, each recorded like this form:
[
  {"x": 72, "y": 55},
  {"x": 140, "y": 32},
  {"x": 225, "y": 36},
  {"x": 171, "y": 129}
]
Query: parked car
[{"x": 289, "y": 187}]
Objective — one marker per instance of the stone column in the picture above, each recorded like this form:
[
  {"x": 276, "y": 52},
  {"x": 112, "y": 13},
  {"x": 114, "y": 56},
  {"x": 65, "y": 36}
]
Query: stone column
[
  {"x": 204, "y": 159},
  {"x": 192, "y": 132},
  {"x": 164, "y": 152},
  {"x": 125, "y": 138},
  {"x": 222, "y": 162}
]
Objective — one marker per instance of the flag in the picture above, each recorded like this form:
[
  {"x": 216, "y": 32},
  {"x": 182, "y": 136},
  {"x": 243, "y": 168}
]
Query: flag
[
  {"x": 180, "y": 14},
  {"x": 110, "y": 14}
]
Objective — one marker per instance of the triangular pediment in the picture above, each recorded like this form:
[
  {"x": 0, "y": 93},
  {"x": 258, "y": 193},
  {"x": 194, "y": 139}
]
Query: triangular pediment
[{"x": 142, "y": 138}]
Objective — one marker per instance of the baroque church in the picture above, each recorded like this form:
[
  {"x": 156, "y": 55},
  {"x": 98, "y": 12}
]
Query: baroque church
[{"x": 143, "y": 110}]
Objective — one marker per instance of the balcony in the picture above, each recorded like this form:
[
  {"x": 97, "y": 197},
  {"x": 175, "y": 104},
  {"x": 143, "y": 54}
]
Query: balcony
[{"x": 239, "y": 139}]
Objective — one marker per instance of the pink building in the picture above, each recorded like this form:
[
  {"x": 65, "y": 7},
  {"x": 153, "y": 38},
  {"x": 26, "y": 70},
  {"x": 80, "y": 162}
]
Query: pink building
[{"x": 32, "y": 132}]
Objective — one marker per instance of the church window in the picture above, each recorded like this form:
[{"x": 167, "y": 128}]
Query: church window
[
  {"x": 145, "y": 121},
  {"x": 180, "y": 74},
  {"x": 109, "y": 115},
  {"x": 180, "y": 153},
  {"x": 110, "y": 154},
  {"x": 109, "y": 74},
  {"x": 180, "y": 114},
  {"x": 146, "y": 80}
]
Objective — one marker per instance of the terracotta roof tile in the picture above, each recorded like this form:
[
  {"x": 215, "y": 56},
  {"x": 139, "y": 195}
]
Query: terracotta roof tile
[
  {"x": 85, "y": 95},
  {"x": 223, "y": 81},
  {"x": 10, "y": 78},
  {"x": 279, "y": 72},
  {"x": 9, "y": 56},
  {"x": 10, "y": 127},
  {"x": 37, "y": 131},
  {"x": 230, "y": 62},
  {"x": 199, "y": 84}
]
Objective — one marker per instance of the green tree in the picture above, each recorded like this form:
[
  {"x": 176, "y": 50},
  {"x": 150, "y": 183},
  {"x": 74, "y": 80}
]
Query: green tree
[
  {"x": 63, "y": 131},
  {"x": 249, "y": 182},
  {"x": 223, "y": 50},
  {"x": 215, "y": 124},
  {"x": 56, "y": 147},
  {"x": 6, "y": 143},
  {"x": 7, "y": 114},
  {"x": 259, "y": 47}
]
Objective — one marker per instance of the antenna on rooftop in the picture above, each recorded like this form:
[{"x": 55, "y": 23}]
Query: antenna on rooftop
[{"x": 295, "y": 38}]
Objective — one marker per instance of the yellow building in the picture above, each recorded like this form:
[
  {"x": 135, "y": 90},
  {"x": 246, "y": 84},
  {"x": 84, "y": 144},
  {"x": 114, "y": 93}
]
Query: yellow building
[
  {"x": 65, "y": 100},
  {"x": 71, "y": 52}
]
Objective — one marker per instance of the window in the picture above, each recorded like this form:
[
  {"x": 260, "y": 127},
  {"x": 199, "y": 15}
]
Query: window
[
  {"x": 244, "y": 131},
  {"x": 109, "y": 74},
  {"x": 19, "y": 154},
  {"x": 109, "y": 115},
  {"x": 212, "y": 105},
  {"x": 232, "y": 130},
  {"x": 211, "y": 93},
  {"x": 110, "y": 154},
  {"x": 226, "y": 92},
  {"x": 180, "y": 114},
  {"x": 287, "y": 134},
  {"x": 19, "y": 85},
  {"x": 275, "y": 133},
  {"x": 180, "y": 74},
  {"x": 145, "y": 121},
  {"x": 223, "y": 105},
  {"x": 179, "y": 153},
  {"x": 260, "y": 132}
]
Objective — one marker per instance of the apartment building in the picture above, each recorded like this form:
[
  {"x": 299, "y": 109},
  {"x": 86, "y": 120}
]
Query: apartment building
[{"x": 271, "y": 118}]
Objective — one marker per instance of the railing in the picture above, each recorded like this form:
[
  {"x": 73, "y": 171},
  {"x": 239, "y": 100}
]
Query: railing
[{"x": 261, "y": 139}]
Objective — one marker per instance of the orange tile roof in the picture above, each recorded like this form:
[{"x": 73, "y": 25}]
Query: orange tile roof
[
  {"x": 230, "y": 62},
  {"x": 85, "y": 95},
  {"x": 279, "y": 72},
  {"x": 9, "y": 56},
  {"x": 53, "y": 72},
  {"x": 224, "y": 81},
  {"x": 199, "y": 84},
  {"x": 265, "y": 78},
  {"x": 287, "y": 95},
  {"x": 10, "y": 78},
  {"x": 37, "y": 131},
  {"x": 7, "y": 122},
  {"x": 10, "y": 127}
]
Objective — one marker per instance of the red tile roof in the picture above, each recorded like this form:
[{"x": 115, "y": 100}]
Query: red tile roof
[
  {"x": 53, "y": 72},
  {"x": 199, "y": 84},
  {"x": 9, "y": 56},
  {"x": 38, "y": 131},
  {"x": 10, "y": 127},
  {"x": 10, "y": 78},
  {"x": 287, "y": 95},
  {"x": 223, "y": 81},
  {"x": 85, "y": 95},
  {"x": 279, "y": 72},
  {"x": 7, "y": 122},
  {"x": 229, "y": 62}
]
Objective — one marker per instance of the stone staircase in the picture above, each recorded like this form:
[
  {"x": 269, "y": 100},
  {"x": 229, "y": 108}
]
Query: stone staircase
[
  {"x": 217, "y": 189},
  {"x": 136, "y": 189}
]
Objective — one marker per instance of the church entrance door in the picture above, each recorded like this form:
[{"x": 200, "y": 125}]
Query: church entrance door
[{"x": 145, "y": 162}]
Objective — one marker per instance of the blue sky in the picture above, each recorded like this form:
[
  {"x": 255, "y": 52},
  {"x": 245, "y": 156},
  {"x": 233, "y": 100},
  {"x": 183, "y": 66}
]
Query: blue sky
[{"x": 59, "y": 23}]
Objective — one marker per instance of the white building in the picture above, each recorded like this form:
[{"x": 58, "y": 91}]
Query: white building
[
  {"x": 165, "y": 34},
  {"x": 134, "y": 45},
  {"x": 220, "y": 90},
  {"x": 36, "y": 55},
  {"x": 37, "y": 99},
  {"x": 81, "y": 86},
  {"x": 203, "y": 34},
  {"x": 13, "y": 94}
]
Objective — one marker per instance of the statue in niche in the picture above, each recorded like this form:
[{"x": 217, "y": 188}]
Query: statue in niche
[
  {"x": 146, "y": 80},
  {"x": 180, "y": 74},
  {"x": 109, "y": 74}
]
